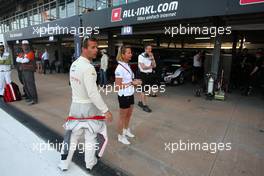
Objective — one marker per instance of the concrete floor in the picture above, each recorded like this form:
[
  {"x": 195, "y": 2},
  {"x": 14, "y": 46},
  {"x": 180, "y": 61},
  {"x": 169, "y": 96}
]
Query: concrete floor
[
  {"x": 177, "y": 115},
  {"x": 23, "y": 153}
]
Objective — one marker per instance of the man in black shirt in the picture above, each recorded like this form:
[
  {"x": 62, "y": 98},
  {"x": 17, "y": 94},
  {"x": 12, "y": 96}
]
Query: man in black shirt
[{"x": 257, "y": 71}]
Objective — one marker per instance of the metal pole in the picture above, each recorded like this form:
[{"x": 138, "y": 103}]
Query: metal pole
[
  {"x": 57, "y": 9},
  {"x": 66, "y": 8},
  {"x": 76, "y": 4}
]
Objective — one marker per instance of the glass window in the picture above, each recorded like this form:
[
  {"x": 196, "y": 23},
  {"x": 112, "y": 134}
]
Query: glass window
[
  {"x": 62, "y": 10},
  {"x": 120, "y": 2},
  {"x": 101, "y": 4},
  {"x": 36, "y": 19},
  {"x": 31, "y": 20},
  {"x": 70, "y": 8},
  {"x": 90, "y": 4}
]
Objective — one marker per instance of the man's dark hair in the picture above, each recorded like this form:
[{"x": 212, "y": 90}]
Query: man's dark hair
[
  {"x": 147, "y": 45},
  {"x": 86, "y": 40}
]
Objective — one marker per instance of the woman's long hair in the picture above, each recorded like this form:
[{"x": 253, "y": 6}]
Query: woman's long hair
[{"x": 121, "y": 51}]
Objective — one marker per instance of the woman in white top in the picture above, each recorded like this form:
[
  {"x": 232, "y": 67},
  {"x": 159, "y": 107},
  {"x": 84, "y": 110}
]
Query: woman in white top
[{"x": 124, "y": 84}]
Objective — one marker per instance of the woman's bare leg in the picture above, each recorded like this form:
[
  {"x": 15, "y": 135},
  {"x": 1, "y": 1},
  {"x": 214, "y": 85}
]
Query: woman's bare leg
[
  {"x": 121, "y": 120},
  {"x": 128, "y": 117}
]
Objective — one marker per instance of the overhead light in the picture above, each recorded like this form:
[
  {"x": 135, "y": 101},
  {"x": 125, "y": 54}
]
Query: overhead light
[
  {"x": 176, "y": 65},
  {"x": 148, "y": 40},
  {"x": 202, "y": 38},
  {"x": 102, "y": 46},
  {"x": 51, "y": 38}
]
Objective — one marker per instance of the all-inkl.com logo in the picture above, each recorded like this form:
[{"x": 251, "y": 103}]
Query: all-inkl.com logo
[{"x": 116, "y": 14}]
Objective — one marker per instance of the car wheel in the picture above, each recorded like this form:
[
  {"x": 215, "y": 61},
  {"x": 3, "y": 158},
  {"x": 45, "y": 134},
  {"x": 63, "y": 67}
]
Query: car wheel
[
  {"x": 181, "y": 78},
  {"x": 174, "y": 82}
]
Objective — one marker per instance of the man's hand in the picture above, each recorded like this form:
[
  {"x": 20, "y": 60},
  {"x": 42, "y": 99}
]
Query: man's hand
[
  {"x": 137, "y": 82},
  {"x": 151, "y": 55},
  {"x": 109, "y": 116}
]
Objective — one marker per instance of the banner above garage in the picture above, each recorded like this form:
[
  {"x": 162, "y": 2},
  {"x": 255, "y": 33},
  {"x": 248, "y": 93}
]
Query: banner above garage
[{"x": 141, "y": 12}]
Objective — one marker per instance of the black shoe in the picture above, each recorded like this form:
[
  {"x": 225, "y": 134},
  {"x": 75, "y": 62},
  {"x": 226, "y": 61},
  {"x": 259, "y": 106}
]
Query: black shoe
[
  {"x": 31, "y": 103},
  {"x": 24, "y": 96},
  {"x": 28, "y": 100},
  {"x": 140, "y": 104},
  {"x": 153, "y": 95},
  {"x": 146, "y": 109}
]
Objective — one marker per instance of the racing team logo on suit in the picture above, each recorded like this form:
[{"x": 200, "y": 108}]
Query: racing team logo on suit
[{"x": 116, "y": 14}]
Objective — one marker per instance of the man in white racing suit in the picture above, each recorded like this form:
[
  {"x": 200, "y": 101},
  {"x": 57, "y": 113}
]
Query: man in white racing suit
[
  {"x": 5, "y": 69},
  {"x": 86, "y": 102}
]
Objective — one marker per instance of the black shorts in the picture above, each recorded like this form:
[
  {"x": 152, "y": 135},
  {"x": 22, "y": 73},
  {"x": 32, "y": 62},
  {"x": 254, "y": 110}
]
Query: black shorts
[
  {"x": 147, "y": 81},
  {"x": 126, "y": 101},
  {"x": 198, "y": 73}
]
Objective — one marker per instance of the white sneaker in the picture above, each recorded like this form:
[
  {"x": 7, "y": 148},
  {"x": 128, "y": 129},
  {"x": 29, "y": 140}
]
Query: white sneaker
[
  {"x": 128, "y": 133},
  {"x": 123, "y": 139},
  {"x": 63, "y": 166}
]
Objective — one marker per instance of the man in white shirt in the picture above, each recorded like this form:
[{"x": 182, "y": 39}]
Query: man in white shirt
[
  {"x": 45, "y": 59},
  {"x": 146, "y": 64},
  {"x": 86, "y": 102},
  {"x": 5, "y": 69},
  {"x": 197, "y": 67},
  {"x": 103, "y": 68}
]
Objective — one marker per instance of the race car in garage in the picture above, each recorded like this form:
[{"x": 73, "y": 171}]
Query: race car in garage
[
  {"x": 175, "y": 71},
  {"x": 174, "y": 74}
]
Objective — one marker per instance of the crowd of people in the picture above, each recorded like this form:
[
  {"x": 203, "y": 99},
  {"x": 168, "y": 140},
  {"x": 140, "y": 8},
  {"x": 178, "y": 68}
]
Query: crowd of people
[{"x": 248, "y": 71}]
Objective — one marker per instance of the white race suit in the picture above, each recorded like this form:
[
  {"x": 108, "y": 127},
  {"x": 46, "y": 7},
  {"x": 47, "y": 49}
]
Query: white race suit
[
  {"x": 86, "y": 102},
  {"x": 5, "y": 71}
]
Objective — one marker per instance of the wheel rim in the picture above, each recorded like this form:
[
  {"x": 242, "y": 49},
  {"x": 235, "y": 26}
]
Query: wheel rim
[{"x": 181, "y": 79}]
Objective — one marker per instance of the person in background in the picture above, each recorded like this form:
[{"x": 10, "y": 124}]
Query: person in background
[
  {"x": 197, "y": 67},
  {"x": 5, "y": 69},
  {"x": 103, "y": 68},
  {"x": 124, "y": 81},
  {"x": 27, "y": 66},
  {"x": 45, "y": 59},
  {"x": 38, "y": 61},
  {"x": 146, "y": 64},
  {"x": 256, "y": 72}
]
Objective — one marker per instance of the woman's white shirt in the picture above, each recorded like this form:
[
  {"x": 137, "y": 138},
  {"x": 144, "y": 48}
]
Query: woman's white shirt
[{"x": 124, "y": 71}]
